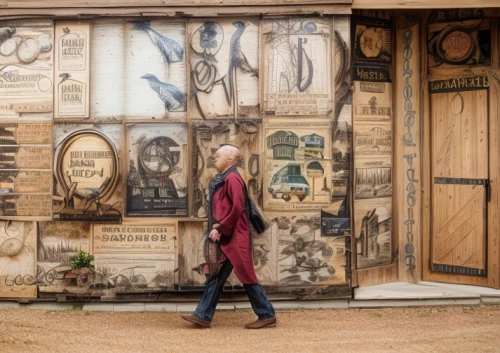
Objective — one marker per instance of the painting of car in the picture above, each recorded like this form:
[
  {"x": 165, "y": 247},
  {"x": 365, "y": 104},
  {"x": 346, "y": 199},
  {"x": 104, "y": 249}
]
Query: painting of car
[{"x": 287, "y": 186}]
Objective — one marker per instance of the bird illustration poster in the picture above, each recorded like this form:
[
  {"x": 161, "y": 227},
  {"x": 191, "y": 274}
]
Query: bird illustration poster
[
  {"x": 224, "y": 59},
  {"x": 87, "y": 171},
  {"x": 72, "y": 71},
  {"x": 26, "y": 69},
  {"x": 158, "y": 170},
  {"x": 297, "y": 54},
  {"x": 208, "y": 136},
  {"x": 155, "y": 72},
  {"x": 304, "y": 257}
]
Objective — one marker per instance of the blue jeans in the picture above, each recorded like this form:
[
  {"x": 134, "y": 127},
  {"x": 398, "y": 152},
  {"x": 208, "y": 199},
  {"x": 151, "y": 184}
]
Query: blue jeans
[{"x": 213, "y": 290}]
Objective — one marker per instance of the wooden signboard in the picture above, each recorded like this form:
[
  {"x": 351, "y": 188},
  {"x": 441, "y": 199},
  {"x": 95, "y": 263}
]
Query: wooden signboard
[
  {"x": 208, "y": 138},
  {"x": 58, "y": 243},
  {"x": 26, "y": 73},
  {"x": 158, "y": 170},
  {"x": 297, "y": 165},
  {"x": 25, "y": 156},
  {"x": 458, "y": 38},
  {"x": 224, "y": 58},
  {"x": 26, "y": 133},
  {"x": 134, "y": 239},
  {"x": 72, "y": 69},
  {"x": 87, "y": 172},
  {"x": 26, "y": 170},
  {"x": 304, "y": 257},
  {"x": 18, "y": 270},
  {"x": 297, "y": 66},
  {"x": 26, "y": 181}
]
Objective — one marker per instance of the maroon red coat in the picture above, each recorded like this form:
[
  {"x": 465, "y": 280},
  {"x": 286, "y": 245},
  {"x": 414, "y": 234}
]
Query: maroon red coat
[{"x": 228, "y": 209}]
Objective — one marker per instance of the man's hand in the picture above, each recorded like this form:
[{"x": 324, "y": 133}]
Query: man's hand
[{"x": 214, "y": 235}]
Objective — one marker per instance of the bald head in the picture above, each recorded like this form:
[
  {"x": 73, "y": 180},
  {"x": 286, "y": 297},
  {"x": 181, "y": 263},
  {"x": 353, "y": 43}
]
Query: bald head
[{"x": 226, "y": 157}]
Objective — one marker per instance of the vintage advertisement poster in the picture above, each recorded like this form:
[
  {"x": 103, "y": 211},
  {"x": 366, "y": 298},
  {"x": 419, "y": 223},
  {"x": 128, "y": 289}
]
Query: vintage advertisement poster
[
  {"x": 26, "y": 133},
  {"x": 127, "y": 272},
  {"x": 372, "y": 101},
  {"x": 297, "y": 72},
  {"x": 208, "y": 138},
  {"x": 26, "y": 181},
  {"x": 26, "y": 67},
  {"x": 224, "y": 59},
  {"x": 72, "y": 70},
  {"x": 18, "y": 268},
  {"x": 298, "y": 169},
  {"x": 158, "y": 170},
  {"x": 58, "y": 243},
  {"x": 25, "y": 156},
  {"x": 18, "y": 206},
  {"x": 134, "y": 239},
  {"x": 87, "y": 173}
]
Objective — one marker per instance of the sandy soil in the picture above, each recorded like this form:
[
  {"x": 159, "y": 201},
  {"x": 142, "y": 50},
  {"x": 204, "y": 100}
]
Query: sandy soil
[{"x": 437, "y": 329}]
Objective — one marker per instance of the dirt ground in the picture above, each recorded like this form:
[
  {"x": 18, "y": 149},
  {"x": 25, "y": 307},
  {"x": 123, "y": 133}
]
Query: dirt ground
[{"x": 436, "y": 329}]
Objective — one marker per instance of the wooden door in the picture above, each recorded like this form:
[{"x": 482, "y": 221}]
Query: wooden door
[{"x": 460, "y": 183}]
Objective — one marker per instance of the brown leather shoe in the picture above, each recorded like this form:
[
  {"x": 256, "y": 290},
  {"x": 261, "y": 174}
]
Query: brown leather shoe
[
  {"x": 196, "y": 320},
  {"x": 261, "y": 323}
]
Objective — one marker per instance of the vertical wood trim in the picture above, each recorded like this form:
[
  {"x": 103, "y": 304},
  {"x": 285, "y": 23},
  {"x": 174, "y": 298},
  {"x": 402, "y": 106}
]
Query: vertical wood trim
[
  {"x": 493, "y": 236},
  {"x": 408, "y": 158}
]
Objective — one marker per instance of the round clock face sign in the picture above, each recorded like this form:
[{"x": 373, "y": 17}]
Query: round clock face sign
[{"x": 87, "y": 165}]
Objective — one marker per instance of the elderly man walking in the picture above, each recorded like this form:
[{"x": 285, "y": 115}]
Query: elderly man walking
[{"x": 228, "y": 244}]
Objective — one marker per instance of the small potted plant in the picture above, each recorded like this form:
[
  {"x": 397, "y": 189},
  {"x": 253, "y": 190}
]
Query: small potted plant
[{"x": 82, "y": 266}]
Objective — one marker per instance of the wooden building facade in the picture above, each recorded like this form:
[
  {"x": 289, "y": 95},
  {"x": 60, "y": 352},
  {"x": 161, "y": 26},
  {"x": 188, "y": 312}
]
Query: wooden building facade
[{"x": 368, "y": 135}]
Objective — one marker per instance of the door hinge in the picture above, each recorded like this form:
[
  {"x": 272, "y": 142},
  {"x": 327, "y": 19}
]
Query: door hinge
[{"x": 487, "y": 185}]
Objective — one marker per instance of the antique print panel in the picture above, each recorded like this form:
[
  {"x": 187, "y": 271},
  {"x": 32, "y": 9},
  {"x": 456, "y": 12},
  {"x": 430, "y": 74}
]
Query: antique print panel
[
  {"x": 224, "y": 59},
  {"x": 305, "y": 257},
  {"x": 26, "y": 67},
  {"x": 72, "y": 69},
  {"x": 373, "y": 227},
  {"x": 134, "y": 272},
  {"x": 294, "y": 185},
  {"x": 158, "y": 170},
  {"x": 155, "y": 73},
  {"x": 208, "y": 137},
  {"x": 373, "y": 101},
  {"x": 297, "y": 66},
  {"x": 58, "y": 243},
  {"x": 298, "y": 166},
  {"x": 294, "y": 141},
  {"x": 87, "y": 172},
  {"x": 373, "y": 144},
  {"x": 18, "y": 270},
  {"x": 458, "y": 37}
]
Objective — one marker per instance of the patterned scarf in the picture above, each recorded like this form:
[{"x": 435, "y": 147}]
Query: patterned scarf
[{"x": 211, "y": 249}]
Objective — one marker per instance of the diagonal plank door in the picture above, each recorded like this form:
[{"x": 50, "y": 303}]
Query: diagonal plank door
[{"x": 460, "y": 180}]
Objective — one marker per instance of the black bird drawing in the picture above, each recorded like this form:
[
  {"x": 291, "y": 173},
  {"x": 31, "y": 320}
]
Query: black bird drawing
[
  {"x": 171, "y": 51},
  {"x": 237, "y": 59},
  {"x": 169, "y": 94}
]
